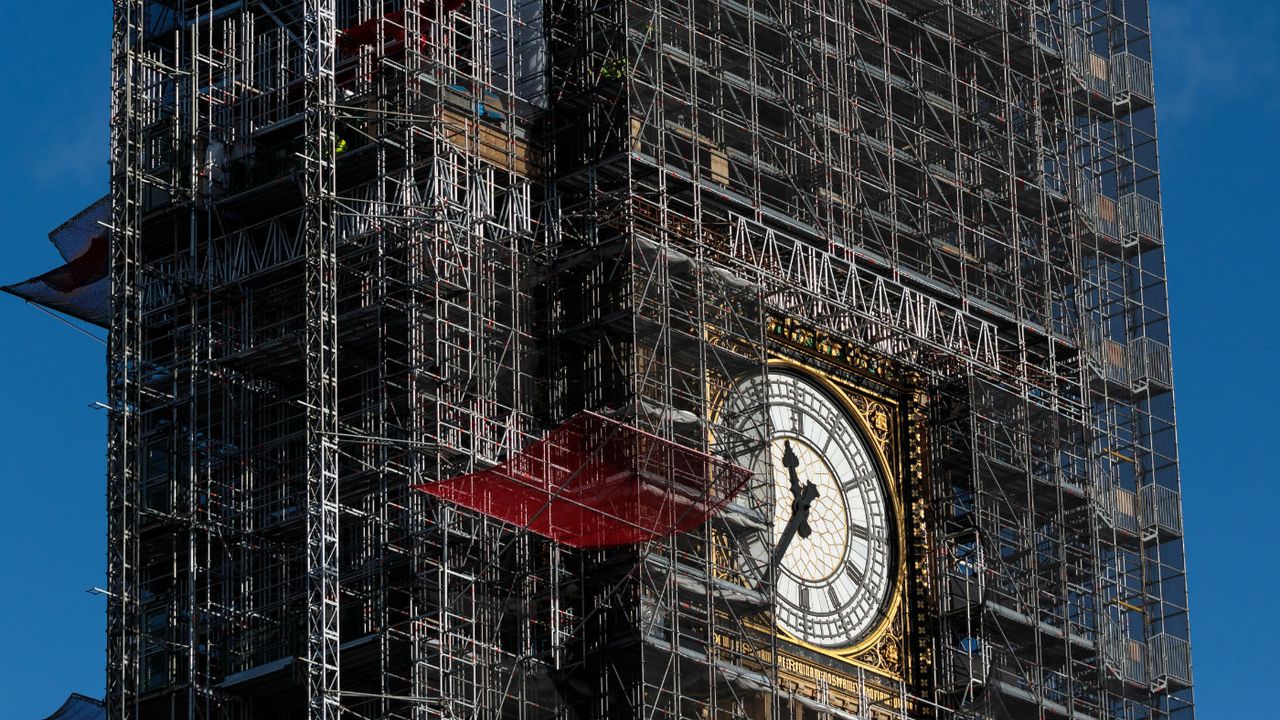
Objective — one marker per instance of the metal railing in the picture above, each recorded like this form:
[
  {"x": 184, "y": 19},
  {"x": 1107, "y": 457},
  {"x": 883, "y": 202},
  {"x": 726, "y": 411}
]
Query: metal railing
[
  {"x": 1170, "y": 658},
  {"x": 1138, "y": 365},
  {"x": 1123, "y": 76},
  {"x": 1111, "y": 358},
  {"x": 1131, "y": 76},
  {"x": 987, "y": 10},
  {"x": 1140, "y": 219},
  {"x": 1126, "y": 659},
  {"x": 1161, "y": 512},
  {"x": 1151, "y": 363},
  {"x": 1099, "y": 211},
  {"x": 1124, "y": 510}
]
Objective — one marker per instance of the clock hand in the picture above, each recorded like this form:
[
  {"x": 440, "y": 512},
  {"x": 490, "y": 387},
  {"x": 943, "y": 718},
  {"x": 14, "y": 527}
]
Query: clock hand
[
  {"x": 799, "y": 521},
  {"x": 791, "y": 462},
  {"x": 799, "y": 518},
  {"x": 802, "y": 500}
]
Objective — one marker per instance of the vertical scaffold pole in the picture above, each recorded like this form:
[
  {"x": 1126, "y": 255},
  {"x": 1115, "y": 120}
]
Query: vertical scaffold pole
[
  {"x": 124, "y": 345},
  {"x": 320, "y": 243}
]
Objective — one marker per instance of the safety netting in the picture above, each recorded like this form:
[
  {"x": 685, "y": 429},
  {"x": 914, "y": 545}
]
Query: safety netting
[
  {"x": 597, "y": 482},
  {"x": 81, "y": 287}
]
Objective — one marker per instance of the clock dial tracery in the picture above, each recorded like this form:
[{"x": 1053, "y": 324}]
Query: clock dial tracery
[{"x": 833, "y": 582}]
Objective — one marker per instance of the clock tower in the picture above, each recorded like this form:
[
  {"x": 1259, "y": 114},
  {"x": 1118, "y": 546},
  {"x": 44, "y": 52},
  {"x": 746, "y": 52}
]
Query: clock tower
[{"x": 586, "y": 360}]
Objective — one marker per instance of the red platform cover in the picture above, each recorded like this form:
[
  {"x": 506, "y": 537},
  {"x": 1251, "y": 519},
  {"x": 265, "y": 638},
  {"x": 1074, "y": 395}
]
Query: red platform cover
[{"x": 596, "y": 482}]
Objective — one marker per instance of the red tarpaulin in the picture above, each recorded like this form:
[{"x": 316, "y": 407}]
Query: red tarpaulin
[{"x": 595, "y": 482}]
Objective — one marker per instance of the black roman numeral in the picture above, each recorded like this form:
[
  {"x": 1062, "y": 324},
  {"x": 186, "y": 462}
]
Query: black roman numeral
[
  {"x": 855, "y": 572},
  {"x": 836, "y": 602},
  {"x": 855, "y": 481}
]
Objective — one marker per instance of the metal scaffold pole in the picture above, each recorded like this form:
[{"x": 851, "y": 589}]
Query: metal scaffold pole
[
  {"x": 123, "y": 356},
  {"x": 321, "y": 346}
]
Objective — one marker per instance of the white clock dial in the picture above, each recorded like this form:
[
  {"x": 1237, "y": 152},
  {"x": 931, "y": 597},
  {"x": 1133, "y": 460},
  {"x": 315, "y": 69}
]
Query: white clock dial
[{"x": 834, "y": 580}]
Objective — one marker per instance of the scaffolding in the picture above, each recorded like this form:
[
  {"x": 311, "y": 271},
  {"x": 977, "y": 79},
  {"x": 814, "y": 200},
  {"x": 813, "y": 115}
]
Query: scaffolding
[{"x": 361, "y": 247}]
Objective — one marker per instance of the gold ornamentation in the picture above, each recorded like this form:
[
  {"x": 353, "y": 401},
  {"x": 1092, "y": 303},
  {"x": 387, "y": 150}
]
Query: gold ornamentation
[
  {"x": 822, "y": 344},
  {"x": 878, "y": 417},
  {"x": 898, "y": 650}
]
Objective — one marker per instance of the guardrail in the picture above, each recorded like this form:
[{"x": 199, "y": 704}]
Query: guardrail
[
  {"x": 1150, "y": 363},
  {"x": 1131, "y": 77},
  {"x": 1140, "y": 220},
  {"x": 1161, "y": 510},
  {"x": 1124, "y": 510},
  {"x": 1170, "y": 658}
]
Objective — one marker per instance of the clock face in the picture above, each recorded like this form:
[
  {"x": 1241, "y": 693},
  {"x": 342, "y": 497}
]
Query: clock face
[{"x": 835, "y": 575}]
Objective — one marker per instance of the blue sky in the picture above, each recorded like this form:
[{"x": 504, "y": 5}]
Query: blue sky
[{"x": 1218, "y": 86}]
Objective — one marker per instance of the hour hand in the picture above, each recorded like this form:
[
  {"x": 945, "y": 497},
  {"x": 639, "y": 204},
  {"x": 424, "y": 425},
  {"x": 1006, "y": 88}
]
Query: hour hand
[
  {"x": 799, "y": 518},
  {"x": 791, "y": 463}
]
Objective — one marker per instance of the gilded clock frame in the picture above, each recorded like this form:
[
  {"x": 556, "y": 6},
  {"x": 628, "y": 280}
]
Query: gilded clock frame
[
  {"x": 892, "y": 421},
  {"x": 876, "y": 417}
]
